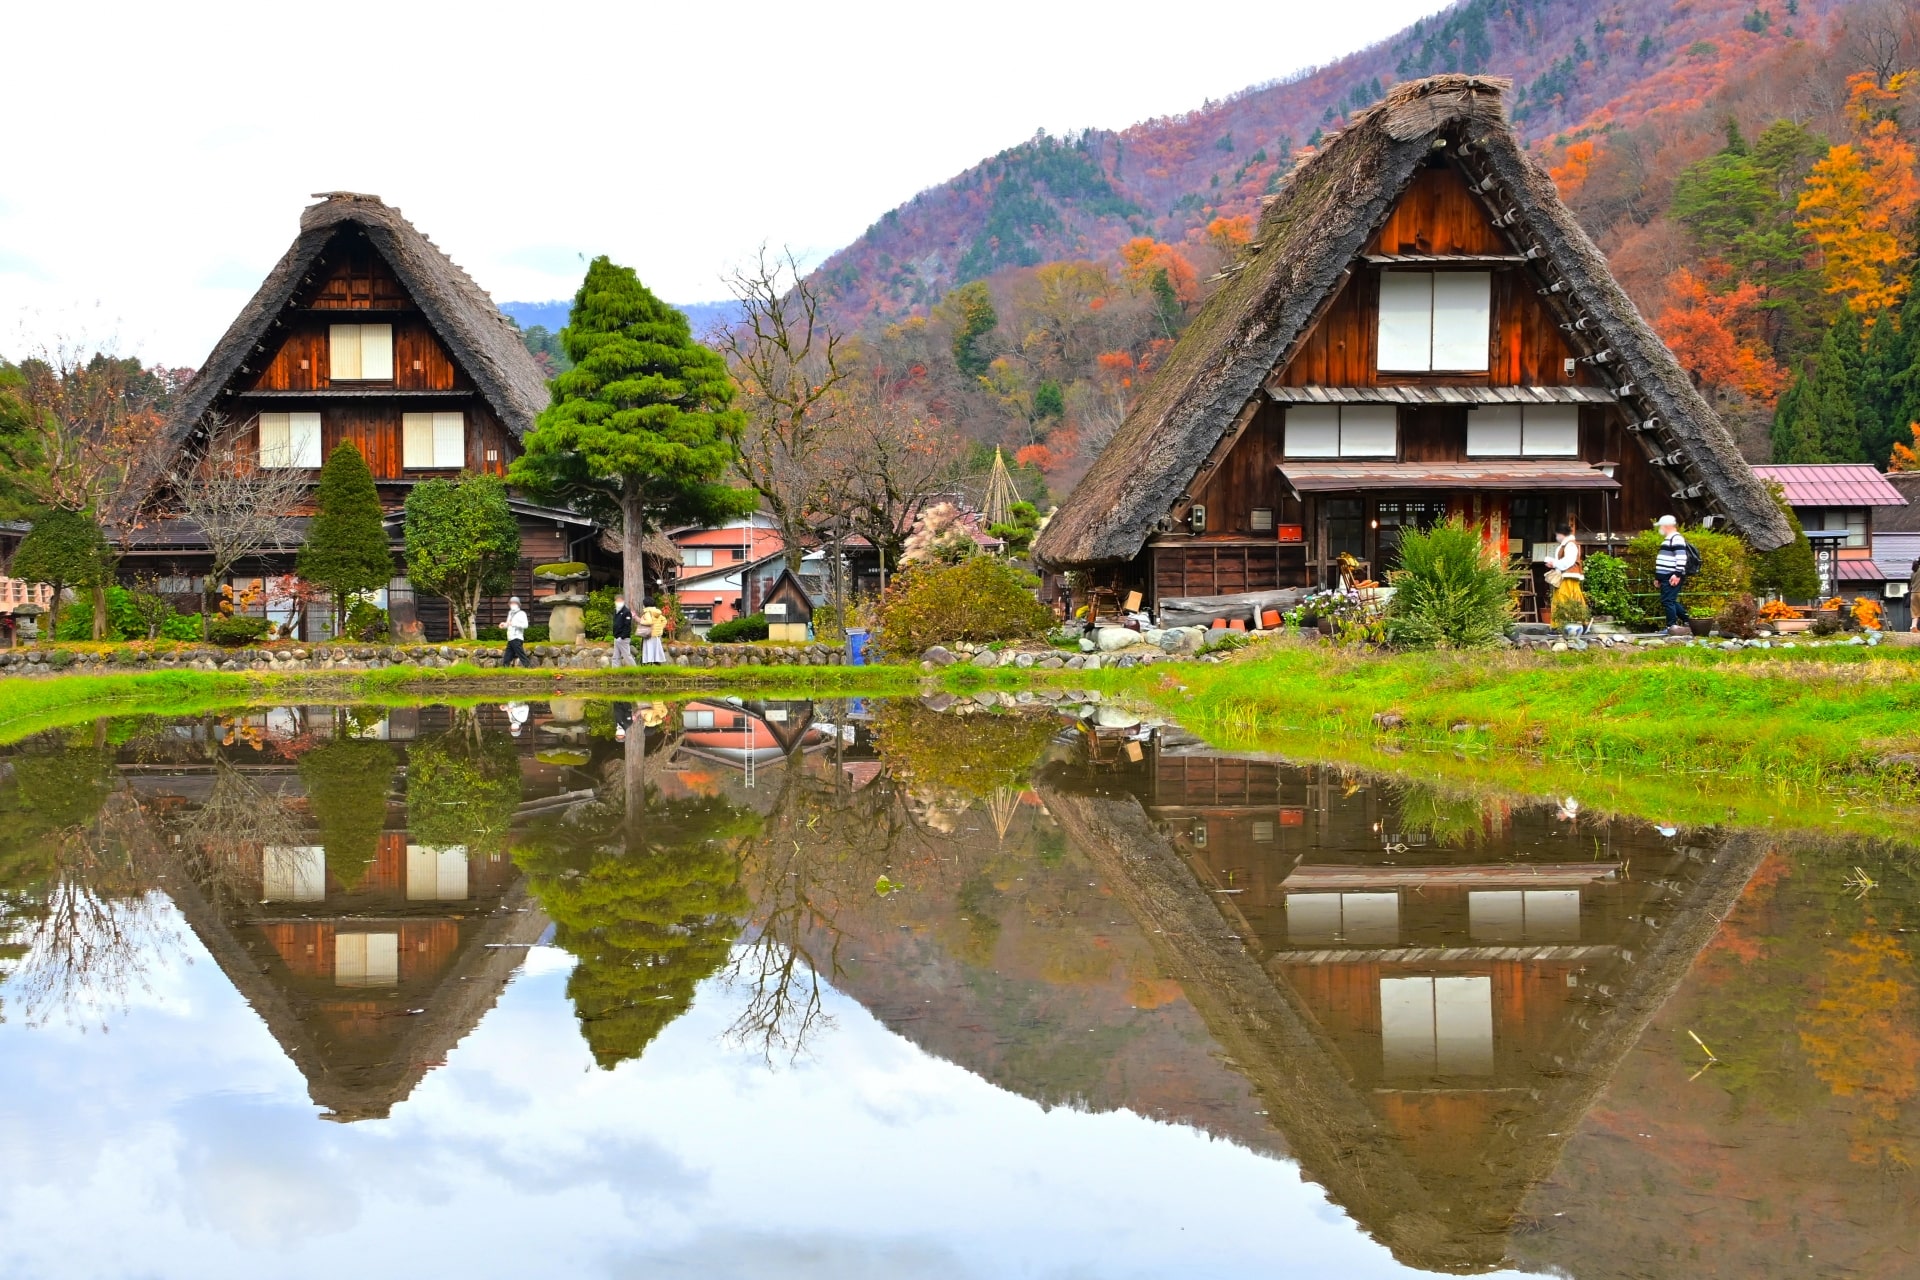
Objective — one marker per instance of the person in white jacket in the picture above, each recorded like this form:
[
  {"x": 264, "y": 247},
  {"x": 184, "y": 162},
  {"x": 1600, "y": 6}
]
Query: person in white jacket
[{"x": 516, "y": 633}]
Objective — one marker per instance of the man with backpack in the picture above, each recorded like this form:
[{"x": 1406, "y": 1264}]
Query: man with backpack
[{"x": 1675, "y": 562}]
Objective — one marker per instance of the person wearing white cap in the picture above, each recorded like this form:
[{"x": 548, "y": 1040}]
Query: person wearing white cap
[
  {"x": 516, "y": 633},
  {"x": 1672, "y": 565}
]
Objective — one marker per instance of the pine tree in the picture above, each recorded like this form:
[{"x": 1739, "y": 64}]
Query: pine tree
[
  {"x": 63, "y": 549},
  {"x": 346, "y": 548},
  {"x": 346, "y": 781},
  {"x": 1818, "y": 419},
  {"x": 640, "y": 430}
]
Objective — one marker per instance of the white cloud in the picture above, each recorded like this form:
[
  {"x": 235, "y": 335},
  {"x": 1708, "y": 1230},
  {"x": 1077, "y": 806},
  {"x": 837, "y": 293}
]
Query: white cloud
[{"x": 176, "y": 144}]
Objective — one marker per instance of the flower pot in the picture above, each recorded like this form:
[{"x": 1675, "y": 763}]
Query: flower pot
[{"x": 1792, "y": 626}]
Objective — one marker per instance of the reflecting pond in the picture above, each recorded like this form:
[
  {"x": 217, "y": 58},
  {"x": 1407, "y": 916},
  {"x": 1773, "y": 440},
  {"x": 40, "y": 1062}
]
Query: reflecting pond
[{"x": 917, "y": 988}]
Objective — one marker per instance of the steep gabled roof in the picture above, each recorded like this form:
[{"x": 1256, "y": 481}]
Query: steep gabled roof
[
  {"x": 1307, "y": 241},
  {"x": 482, "y": 340},
  {"x": 1832, "y": 484}
]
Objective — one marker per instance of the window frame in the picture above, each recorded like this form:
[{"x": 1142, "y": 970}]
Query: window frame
[
  {"x": 436, "y": 425},
  {"x": 1398, "y": 326},
  {"x": 691, "y": 557},
  {"x": 1308, "y": 414},
  {"x": 337, "y": 350},
  {"x": 1552, "y": 417},
  {"x": 283, "y": 421}
]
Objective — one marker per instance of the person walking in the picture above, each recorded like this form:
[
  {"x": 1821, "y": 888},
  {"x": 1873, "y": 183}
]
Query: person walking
[
  {"x": 622, "y": 633},
  {"x": 1672, "y": 565},
  {"x": 1566, "y": 577},
  {"x": 516, "y": 633},
  {"x": 654, "y": 624}
]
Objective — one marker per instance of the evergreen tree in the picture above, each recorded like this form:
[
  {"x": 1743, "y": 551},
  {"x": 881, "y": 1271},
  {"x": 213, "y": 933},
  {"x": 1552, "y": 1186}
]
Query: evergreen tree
[
  {"x": 1889, "y": 394},
  {"x": 63, "y": 549},
  {"x": 969, "y": 312},
  {"x": 640, "y": 430},
  {"x": 1817, "y": 419},
  {"x": 463, "y": 791},
  {"x": 346, "y": 781},
  {"x": 1789, "y": 572},
  {"x": 462, "y": 543},
  {"x": 346, "y": 548}
]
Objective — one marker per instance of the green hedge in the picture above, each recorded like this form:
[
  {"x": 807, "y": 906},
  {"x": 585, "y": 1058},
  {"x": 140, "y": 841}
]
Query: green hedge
[
  {"x": 1726, "y": 572},
  {"x": 736, "y": 630}
]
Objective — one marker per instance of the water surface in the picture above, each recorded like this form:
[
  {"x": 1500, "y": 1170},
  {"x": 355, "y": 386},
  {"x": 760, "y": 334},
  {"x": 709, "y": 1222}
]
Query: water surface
[{"x": 888, "y": 989}]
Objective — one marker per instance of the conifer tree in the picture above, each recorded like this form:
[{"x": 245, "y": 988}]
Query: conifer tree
[
  {"x": 63, "y": 549},
  {"x": 1788, "y": 571},
  {"x": 640, "y": 430},
  {"x": 346, "y": 548},
  {"x": 1818, "y": 420}
]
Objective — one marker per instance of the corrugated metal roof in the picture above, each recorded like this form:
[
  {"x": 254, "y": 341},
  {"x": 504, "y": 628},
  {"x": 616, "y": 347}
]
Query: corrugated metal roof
[
  {"x": 1832, "y": 484},
  {"x": 1896, "y": 552},
  {"x": 1332, "y": 477},
  {"x": 1441, "y": 395},
  {"x": 1861, "y": 571}
]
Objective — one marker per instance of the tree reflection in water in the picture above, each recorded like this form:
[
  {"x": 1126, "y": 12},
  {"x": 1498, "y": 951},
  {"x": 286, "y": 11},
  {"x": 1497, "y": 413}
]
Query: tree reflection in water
[
  {"x": 645, "y": 892},
  {"x": 79, "y": 925}
]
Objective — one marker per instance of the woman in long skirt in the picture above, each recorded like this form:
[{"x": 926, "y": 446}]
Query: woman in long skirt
[{"x": 654, "y": 622}]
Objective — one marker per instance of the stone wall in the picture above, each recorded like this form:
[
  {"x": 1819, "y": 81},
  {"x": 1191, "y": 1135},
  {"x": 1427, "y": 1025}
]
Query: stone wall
[{"x": 374, "y": 657}]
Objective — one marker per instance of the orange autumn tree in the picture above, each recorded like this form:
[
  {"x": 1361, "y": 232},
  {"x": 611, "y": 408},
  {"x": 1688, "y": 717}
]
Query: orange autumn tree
[
  {"x": 1717, "y": 337},
  {"x": 1860, "y": 198},
  {"x": 1571, "y": 173},
  {"x": 1906, "y": 457},
  {"x": 1862, "y": 1038},
  {"x": 1228, "y": 235},
  {"x": 1142, "y": 258}
]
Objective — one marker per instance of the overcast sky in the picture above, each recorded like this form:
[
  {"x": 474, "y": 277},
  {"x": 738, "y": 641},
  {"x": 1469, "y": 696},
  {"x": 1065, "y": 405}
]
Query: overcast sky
[{"x": 159, "y": 155}]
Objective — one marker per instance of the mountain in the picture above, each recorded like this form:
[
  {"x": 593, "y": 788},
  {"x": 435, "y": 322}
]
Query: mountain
[
  {"x": 552, "y": 315},
  {"x": 1579, "y": 67}
]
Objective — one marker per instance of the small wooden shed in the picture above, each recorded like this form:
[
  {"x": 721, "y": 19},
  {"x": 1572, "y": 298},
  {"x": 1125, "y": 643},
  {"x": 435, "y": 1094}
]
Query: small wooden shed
[{"x": 789, "y": 610}]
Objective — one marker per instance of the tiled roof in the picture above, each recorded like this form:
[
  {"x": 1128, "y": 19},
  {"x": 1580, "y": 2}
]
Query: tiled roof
[{"x": 1832, "y": 484}]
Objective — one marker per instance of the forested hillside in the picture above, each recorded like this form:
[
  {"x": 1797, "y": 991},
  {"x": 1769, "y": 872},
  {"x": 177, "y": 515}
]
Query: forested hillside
[{"x": 1747, "y": 169}]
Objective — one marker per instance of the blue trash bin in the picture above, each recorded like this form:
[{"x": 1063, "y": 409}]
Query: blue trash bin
[{"x": 857, "y": 647}]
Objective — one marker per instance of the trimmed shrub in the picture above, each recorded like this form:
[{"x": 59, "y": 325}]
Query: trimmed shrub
[
  {"x": 1789, "y": 572},
  {"x": 979, "y": 599},
  {"x": 560, "y": 569},
  {"x": 1725, "y": 571},
  {"x": 1449, "y": 591},
  {"x": 234, "y": 632},
  {"x": 736, "y": 630},
  {"x": 1610, "y": 592},
  {"x": 181, "y": 626},
  {"x": 535, "y": 634},
  {"x": 596, "y": 616}
]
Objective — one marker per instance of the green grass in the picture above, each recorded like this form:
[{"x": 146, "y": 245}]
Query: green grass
[{"x": 1700, "y": 734}]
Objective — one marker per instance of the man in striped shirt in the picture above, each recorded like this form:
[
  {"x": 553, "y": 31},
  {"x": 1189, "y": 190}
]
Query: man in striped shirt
[{"x": 1670, "y": 569}]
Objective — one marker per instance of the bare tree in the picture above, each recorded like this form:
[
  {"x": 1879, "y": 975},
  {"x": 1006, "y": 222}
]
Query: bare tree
[
  {"x": 787, "y": 361},
  {"x": 239, "y": 507},
  {"x": 887, "y": 457}
]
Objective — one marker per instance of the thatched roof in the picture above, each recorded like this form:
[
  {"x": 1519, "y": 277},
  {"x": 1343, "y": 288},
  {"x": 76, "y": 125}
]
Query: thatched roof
[
  {"x": 1308, "y": 239},
  {"x": 481, "y": 338}
]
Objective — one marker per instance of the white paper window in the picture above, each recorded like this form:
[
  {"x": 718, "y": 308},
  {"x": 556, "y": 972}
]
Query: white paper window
[
  {"x": 698, "y": 557},
  {"x": 1530, "y": 915},
  {"x": 1434, "y": 321},
  {"x": 1406, "y": 321},
  {"x": 433, "y": 440},
  {"x": 436, "y": 875},
  {"x": 1530, "y": 431},
  {"x": 290, "y": 439},
  {"x": 360, "y": 352},
  {"x": 1343, "y": 431},
  {"x": 696, "y": 719},
  {"x": 294, "y": 873},
  {"x": 1352, "y": 919},
  {"x": 366, "y": 959},
  {"x": 1436, "y": 1026}
]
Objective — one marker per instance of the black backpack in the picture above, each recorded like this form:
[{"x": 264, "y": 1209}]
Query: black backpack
[{"x": 1693, "y": 560}]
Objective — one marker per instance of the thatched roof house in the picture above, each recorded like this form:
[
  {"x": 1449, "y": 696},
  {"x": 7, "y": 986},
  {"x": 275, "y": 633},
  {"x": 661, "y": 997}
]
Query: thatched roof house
[{"x": 1442, "y": 337}]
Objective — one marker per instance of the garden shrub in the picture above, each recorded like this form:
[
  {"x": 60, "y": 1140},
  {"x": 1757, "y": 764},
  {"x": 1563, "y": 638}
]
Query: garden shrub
[
  {"x": 1450, "y": 592},
  {"x": 736, "y": 630},
  {"x": 365, "y": 621},
  {"x": 182, "y": 626},
  {"x": 978, "y": 599},
  {"x": 1609, "y": 593},
  {"x": 596, "y": 616},
  {"x": 1725, "y": 571},
  {"x": 233, "y": 632},
  {"x": 826, "y": 624},
  {"x": 1740, "y": 619},
  {"x": 1571, "y": 611},
  {"x": 1790, "y": 571}
]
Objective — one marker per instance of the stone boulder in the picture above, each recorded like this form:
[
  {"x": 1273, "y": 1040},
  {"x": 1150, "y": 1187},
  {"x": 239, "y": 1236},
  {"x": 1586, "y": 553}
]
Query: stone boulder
[
  {"x": 1114, "y": 639},
  {"x": 939, "y": 656}
]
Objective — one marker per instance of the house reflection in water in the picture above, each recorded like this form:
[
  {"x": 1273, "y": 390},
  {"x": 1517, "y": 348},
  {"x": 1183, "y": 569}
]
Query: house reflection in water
[
  {"x": 1428, "y": 991},
  {"x": 367, "y": 972}
]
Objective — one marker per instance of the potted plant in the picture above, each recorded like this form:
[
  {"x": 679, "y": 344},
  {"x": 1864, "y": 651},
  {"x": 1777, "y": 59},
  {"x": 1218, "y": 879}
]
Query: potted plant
[
  {"x": 1572, "y": 614},
  {"x": 1785, "y": 619}
]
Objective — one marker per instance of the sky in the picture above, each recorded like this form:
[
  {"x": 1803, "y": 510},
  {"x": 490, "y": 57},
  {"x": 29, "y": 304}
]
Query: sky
[{"x": 159, "y": 155}]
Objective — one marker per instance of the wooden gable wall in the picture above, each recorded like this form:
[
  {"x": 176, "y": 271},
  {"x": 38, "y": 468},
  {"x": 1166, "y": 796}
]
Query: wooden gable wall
[{"x": 351, "y": 282}]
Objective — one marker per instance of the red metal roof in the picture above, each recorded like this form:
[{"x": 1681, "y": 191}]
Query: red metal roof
[
  {"x": 1832, "y": 484},
  {"x": 1861, "y": 571}
]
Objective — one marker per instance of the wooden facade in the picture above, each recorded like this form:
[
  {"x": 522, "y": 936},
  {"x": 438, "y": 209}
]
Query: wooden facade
[{"x": 1262, "y": 533}]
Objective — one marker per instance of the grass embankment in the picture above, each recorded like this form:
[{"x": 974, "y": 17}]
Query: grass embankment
[{"x": 1701, "y": 735}]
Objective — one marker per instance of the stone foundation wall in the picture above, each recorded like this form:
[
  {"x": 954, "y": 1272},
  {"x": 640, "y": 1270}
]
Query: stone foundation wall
[{"x": 374, "y": 657}]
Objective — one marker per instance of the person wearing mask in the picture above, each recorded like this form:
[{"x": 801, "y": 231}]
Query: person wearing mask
[
  {"x": 516, "y": 633},
  {"x": 653, "y": 623},
  {"x": 622, "y": 633},
  {"x": 1672, "y": 563},
  {"x": 1563, "y": 570}
]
